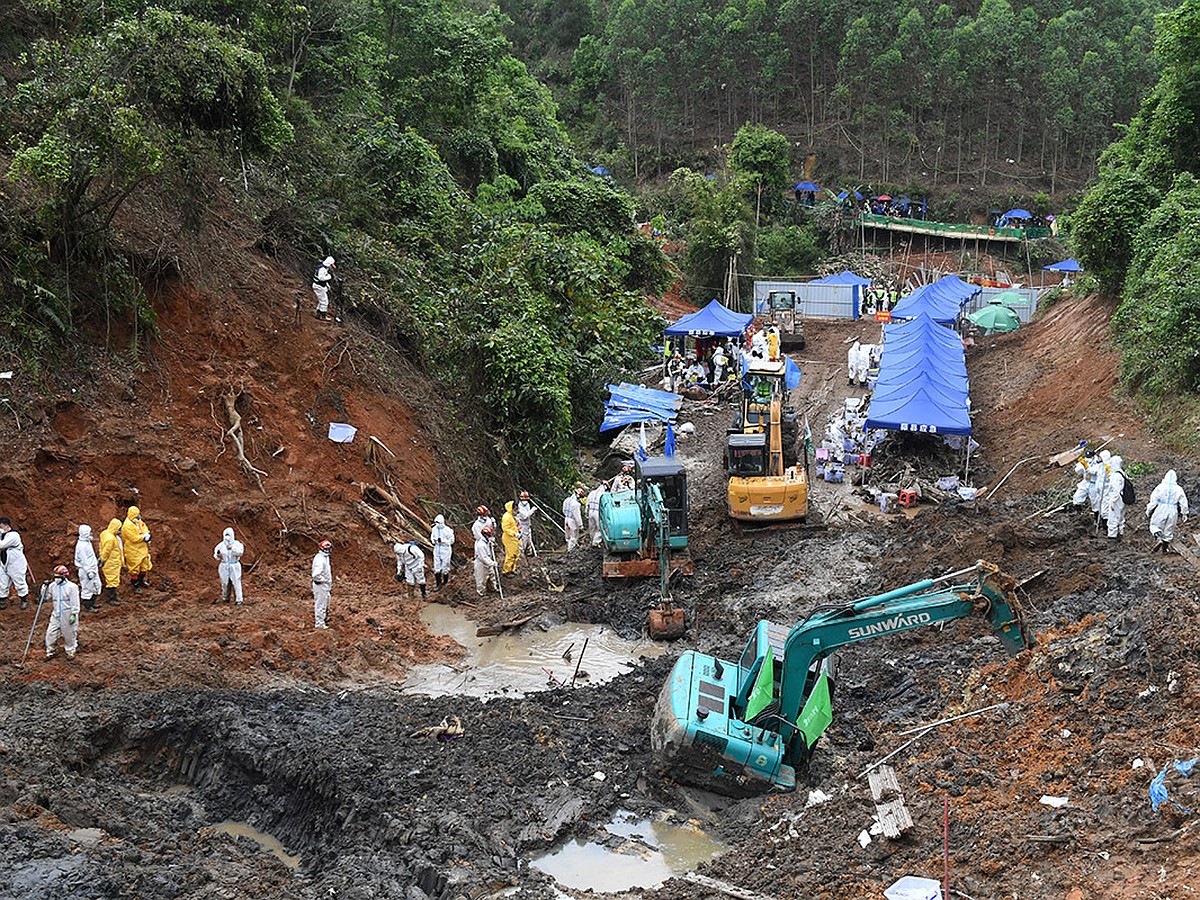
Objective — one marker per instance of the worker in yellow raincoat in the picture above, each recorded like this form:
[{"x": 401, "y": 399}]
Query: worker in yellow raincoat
[
  {"x": 510, "y": 535},
  {"x": 135, "y": 537},
  {"x": 112, "y": 559}
]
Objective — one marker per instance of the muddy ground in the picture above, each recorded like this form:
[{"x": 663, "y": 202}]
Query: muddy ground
[{"x": 179, "y": 714}]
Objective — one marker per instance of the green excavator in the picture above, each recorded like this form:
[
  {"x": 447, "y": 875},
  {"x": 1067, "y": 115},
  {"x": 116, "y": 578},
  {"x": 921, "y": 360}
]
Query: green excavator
[{"x": 741, "y": 727}]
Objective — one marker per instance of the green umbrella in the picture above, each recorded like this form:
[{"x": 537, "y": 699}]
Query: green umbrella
[
  {"x": 1007, "y": 298},
  {"x": 996, "y": 317}
]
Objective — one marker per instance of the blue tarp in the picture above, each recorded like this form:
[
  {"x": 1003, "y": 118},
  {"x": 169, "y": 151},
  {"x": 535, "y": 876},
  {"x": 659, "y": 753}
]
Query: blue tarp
[
  {"x": 716, "y": 319},
  {"x": 1066, "y": 265},
  {"x": 922, "y": 383},
  {"x": 844, "y": 194},
  {"x": 629, "y": 404},
  {"x": 843, "y": 277},
  {"x": 918, "y": 410},
  {"x": 942, "y": 300},
  {"x": 791, "y": 372},
  {"x": 806, "y": 186}
]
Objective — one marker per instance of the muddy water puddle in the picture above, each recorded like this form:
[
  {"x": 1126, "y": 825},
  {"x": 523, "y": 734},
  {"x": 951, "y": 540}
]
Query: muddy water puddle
[
  {"x": 514, "y": 663},
  {"x": 644, "y": 854},
  {"x": 266, "y": 841}
]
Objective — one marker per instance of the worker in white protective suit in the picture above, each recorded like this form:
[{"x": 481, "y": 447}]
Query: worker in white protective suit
[
  {"x": 1096, "y": 492},
  {"x": 63, "y": 597},
  {"x": 483, "y": 519},
  {"x": 485, "y": 561},
  {"x": 758, "y": 345},
  {"x": 442, "y": 538},
  {"x": 88, "y": 568},
  {"x": 852, "y": 358},
  {"x": 864, "y": 363},
  {"x": 1167, "y": 504},
  {"x": 228, "y": 555},
  {"x": 572, "y": 518},
  {"x": 322, "y": 583},
  {"x": 13, "y": 567},
  {"x": 593, "y": 513},
  {"x": 410, "y": 567},
  {"x": 525, "y": 511},
  {"x": 322, "y": 279},
  {"x": 720, "y": 366},
  {"x": 1114, "y": 501},
  {"x": 625, "y": 481},
  {"x": 1087, "y": 467}
]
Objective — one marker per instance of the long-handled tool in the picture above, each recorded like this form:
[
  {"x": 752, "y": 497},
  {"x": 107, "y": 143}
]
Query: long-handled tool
[
  {"x": 496, "y": 575},
  {"x": 549, "y": 517},
  {"x": 33, "y": 627}
]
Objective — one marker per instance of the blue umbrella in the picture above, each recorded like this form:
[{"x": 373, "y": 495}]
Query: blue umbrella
[
  {"x": 1067, "y": 265},
  {"x": 1018, "y": 214},
  {"x": 807, "y": 186}
]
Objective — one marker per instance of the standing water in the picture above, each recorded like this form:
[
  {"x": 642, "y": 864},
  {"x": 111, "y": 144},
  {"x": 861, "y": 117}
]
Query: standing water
[
  {"x": 514, "y": 663},
  {"x": 650, "y": 853}
]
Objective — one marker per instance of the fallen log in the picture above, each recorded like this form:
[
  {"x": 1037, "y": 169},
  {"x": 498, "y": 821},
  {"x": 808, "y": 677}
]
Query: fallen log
[{"x": 499, "y": 627}]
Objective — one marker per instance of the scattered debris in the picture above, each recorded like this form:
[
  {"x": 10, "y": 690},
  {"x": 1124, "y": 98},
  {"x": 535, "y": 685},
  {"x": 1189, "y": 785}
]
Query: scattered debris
[
  {"x": 450, "y": 729},
  {"x": 912, "y": 887},
  {"x": 1053, "y": 802}
]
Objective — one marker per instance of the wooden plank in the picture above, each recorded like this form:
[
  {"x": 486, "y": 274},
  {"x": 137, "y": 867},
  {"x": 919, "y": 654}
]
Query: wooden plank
[
  {"x": 883, "y": 781},
  {"x": 894, "y": 817},
  {"x": 724, "y": 887}
]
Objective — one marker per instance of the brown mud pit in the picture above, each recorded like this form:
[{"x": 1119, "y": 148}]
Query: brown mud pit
[{"x": 179, "y": 714}]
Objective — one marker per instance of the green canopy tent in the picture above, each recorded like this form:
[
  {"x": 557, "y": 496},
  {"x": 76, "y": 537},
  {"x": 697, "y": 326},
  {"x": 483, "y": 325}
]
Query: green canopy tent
[{"x": 996, "y": 317}]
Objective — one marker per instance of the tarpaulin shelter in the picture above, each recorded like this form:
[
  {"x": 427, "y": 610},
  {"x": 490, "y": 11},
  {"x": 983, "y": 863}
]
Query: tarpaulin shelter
[
  {"x": 918, "y": 410},
  {"x": 942, "y": 300},
  {"x": 629, "y": 404},
  {"x": 922, "y": 384},
  {"x": 1066, "y": 265},
  {"x": 803, "y": 186},
  {"x": 715, "y": 320},
  {"x": 843, "y": 277},
  {"x": 1018, "y": 214}
]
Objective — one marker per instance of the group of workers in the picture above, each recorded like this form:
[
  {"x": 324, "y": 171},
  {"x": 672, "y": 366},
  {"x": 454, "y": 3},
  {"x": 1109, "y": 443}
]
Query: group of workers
[
  {"x": 516, "y": 528},
  {"x": 714, "y": 362},
  {"x": 123, "y": 545},
  {"x": 1104, "y": 490}
]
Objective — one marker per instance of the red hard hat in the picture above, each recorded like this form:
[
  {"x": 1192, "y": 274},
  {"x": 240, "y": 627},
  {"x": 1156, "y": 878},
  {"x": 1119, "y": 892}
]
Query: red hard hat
[
  {"x": 627, "y": 468},
  {"x": 524, "y": 495},
  {"x": 60, "y": 570},
  {"x": 325, "y": 545},
  {"x": 482, "y": 510},
  {"x": 487, "y": 529}
]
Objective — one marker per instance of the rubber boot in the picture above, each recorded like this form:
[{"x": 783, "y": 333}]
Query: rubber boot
[
  {"x": 25, "y": 602},
  {"x": 422, "y": 590},
  {"x": 90, "y": 605},
  {"x": 110, "y": 596}
]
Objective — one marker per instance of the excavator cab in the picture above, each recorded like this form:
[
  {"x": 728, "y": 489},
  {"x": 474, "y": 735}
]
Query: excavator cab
[
  {"x": 669, "y": 475},
  {"x": 765, "y": 483}
]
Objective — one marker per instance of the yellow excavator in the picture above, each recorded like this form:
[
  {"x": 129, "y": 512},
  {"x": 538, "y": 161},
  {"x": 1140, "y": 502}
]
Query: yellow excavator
[{"x": 766, "y": 483}]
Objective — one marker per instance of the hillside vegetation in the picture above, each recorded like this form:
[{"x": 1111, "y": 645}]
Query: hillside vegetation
[
  {"x": 916, "y": 92},
  {"x": 402, "y": 137}
]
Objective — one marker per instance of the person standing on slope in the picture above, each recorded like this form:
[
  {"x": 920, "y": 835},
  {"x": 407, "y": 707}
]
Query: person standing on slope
[
  {"x": 112, "y": 560},
  {"x": 322, "y": 279},
  {"x": 1167, "y": 504},
  {"x": 322, "y": 583},
  {"x": 13, "y": 567},
  {"x": 135, "y": 539},
  {"x": 63, "y": 596},
  {"x": 88, "y": 568},
  {"x": 228, "y": 555},
  {"x": 442, "y": 538}
]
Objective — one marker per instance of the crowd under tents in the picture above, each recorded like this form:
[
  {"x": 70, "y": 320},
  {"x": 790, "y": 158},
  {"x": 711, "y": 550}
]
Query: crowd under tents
[
  {"x": 715, "y": 320},
  {"x": 922, "y": 384}
]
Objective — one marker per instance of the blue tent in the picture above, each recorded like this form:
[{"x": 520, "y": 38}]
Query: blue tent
[
  {"x": 953, "y": 286},
  {"x": 919, "y": 409},
  {"x": 1067, "y": 265},
  {"x": 949, "y": 396},
  {"x": 928, "y": 301},
  {"x": 806, "y": 186},
  {"x": 1018, "y": 214},
  {"x": 602, "y": 171},
  {"x": 843, "y": 277},
  {"x": 716, "y": 319}
]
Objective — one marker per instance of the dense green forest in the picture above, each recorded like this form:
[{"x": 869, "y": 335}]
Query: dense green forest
[
  {"x": 1138, "y": 227},
  {"x": 917, "y": 91},
  {"x": 401, "y": 136},
  {"x": 437, "y": 148}
]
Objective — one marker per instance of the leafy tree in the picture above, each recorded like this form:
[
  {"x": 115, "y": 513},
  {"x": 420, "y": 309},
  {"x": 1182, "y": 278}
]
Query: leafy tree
[
  {"x": 764, "y": 156},
  {"x": 1106, "y": 222}
]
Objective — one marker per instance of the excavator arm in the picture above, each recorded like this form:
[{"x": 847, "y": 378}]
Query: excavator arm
[{"x": 702, "y": 710}]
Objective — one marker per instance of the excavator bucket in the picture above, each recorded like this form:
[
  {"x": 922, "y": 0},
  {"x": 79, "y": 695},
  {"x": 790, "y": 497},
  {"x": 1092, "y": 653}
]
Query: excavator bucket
[{"x": 666, "y": 624}]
